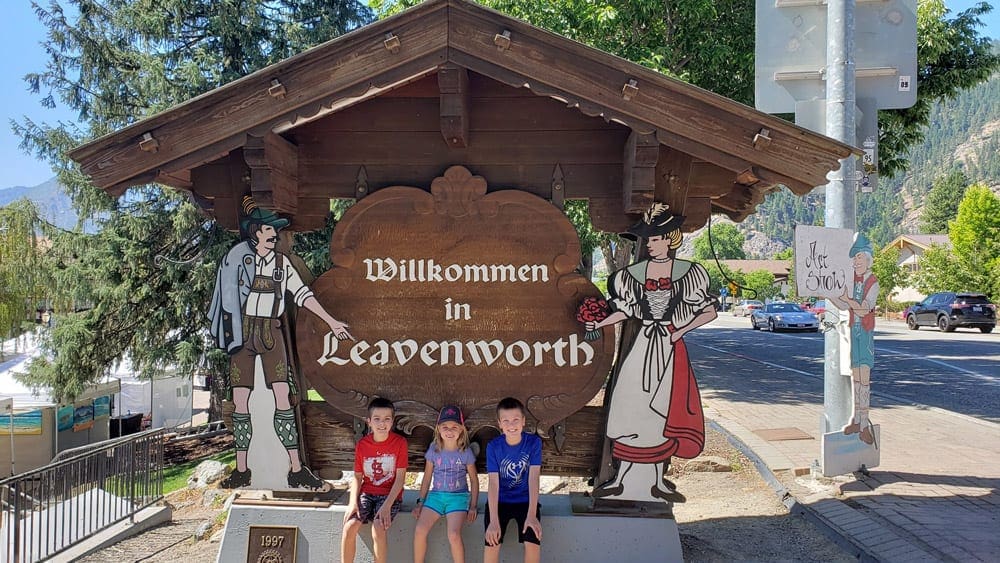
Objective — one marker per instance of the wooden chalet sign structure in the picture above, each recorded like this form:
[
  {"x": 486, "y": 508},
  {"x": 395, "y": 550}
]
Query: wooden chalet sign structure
[{"x": 460, "y": 132}]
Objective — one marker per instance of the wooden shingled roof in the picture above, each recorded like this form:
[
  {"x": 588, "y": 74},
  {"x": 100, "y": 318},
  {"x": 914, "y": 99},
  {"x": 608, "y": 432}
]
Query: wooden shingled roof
[{"x": 680, "y": 144}]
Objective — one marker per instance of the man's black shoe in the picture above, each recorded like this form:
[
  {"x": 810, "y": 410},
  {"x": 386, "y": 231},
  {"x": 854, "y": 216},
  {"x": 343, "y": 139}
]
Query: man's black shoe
[
  {"x": 236, "y": 480},
  {"x": 304, "y": 479}
]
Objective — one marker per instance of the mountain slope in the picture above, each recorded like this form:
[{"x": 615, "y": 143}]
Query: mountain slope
[{"x": 53, "y": 204}]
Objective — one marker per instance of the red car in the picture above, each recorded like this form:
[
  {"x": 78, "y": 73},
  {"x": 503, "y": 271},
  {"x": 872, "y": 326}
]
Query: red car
[{"x": 817, "y": 308}]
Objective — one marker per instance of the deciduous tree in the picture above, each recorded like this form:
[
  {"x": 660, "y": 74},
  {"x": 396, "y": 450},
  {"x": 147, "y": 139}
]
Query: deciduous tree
[
  {"x": 22, "y": 271},
  {"x": 724, "y": 239},
  {"x": 762, "y": 282},
  {"x": 888, "y": 273}
]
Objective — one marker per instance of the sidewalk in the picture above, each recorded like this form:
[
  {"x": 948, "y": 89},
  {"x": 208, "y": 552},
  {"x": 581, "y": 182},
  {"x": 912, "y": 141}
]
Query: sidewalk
[{"x": 934, "y": 496}]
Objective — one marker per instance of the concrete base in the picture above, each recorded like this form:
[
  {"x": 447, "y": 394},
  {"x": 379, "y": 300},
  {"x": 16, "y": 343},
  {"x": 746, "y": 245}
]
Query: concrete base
[
  {"x": 845, "y": 453},
  {"x": 565, "y": 536}
]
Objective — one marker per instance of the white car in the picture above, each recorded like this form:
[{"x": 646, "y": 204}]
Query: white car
[{"x": 746, "y": 307}]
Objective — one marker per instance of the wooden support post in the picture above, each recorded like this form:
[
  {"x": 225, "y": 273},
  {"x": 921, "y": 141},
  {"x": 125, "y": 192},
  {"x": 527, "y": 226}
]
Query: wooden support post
[
  {"x": 673, "y": 178},
  {"x": 453, "y": 85},
  {"x": 274, "y": 170},
  {"x": 639, "y": 175}
]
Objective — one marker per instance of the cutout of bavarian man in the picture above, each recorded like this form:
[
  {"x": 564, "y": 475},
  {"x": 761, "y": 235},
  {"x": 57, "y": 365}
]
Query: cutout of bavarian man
[
  {"x": 251, "y": 289},
  {"x": 860, "y": 301},
  {"x": 655, "y": 410}
]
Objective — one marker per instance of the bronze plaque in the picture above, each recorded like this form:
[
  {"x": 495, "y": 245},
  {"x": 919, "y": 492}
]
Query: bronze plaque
[
  {"x": 272, "y": 544},
  {"x": 456, "y": 296}
]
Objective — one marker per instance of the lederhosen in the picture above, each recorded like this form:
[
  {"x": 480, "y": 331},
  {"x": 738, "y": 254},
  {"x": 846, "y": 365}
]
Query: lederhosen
[{"x": 262, "y": 336}]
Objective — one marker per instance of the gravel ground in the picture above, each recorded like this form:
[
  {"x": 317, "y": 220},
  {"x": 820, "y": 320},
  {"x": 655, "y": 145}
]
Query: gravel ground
[{"x": 729, "y": 516}]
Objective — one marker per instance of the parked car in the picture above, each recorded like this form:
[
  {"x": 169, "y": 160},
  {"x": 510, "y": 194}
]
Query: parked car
[
  {"x": 747, "y": 306},
  {"x": 784, "y": 316},
  {"x": 948, "y": 310},
  {"x": 818, "y": 307}
]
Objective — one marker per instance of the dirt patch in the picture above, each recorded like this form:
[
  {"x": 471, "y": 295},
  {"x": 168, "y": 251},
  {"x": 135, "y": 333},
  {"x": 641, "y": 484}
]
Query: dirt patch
[{"x": 729, "y": 516}]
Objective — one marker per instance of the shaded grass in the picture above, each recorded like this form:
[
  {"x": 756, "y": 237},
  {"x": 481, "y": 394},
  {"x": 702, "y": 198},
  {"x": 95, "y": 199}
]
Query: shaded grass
[{"x": 175, "y": 477}]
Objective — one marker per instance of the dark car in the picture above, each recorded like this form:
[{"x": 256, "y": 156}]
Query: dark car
[
  {"x": 783, "y": 316},
  {"x": 948, "y": 310}
]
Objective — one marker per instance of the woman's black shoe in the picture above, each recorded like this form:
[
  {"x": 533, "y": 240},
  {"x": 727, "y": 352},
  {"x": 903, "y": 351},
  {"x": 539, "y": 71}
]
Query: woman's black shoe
[
  {"x": 603, "y": 491},
  {"x": 669, "y": 497}
]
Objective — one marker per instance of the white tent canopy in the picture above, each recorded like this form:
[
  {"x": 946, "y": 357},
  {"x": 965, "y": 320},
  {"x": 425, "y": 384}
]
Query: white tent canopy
[{"x": 167, "y": 396}]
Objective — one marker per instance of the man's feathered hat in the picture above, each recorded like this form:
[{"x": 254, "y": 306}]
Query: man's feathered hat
[{"x": 254, "y": 214}]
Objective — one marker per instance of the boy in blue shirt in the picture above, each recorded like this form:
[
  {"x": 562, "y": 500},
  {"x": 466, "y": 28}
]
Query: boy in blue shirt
[{"x": 514, "y": 465}]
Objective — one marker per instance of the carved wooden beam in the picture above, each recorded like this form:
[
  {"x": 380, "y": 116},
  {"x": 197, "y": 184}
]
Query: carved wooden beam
[
  {"x": 696, "y": 213},
  {"x": 639, "y": 175},
  {"x": 453, "y": 85},
  {"x": 274, "y": 169},
  {"x": 709, "y": 180},
  {"x": 673, "y": 178},
  {"x": 223, "y": 183}
]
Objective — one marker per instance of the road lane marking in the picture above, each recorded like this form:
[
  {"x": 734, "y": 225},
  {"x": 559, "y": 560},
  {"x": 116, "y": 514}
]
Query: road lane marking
[
  {"x": 891, "y": 397},
  {"x": 970, "y": 373},
  {"x": 724, "y": 351}
]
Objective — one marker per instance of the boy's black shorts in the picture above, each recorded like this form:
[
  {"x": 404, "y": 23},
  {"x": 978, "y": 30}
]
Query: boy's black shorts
[{"x": 517, "y": 511}]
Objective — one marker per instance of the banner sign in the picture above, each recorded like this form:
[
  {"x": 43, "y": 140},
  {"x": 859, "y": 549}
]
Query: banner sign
[
  {"x": 24, "y": 423},
  {"x": 64, "y": 415},
  {"x": 83, "y": 416},
  {"x": 454, "y": 297},
  {"x": 102, "y": 407}
]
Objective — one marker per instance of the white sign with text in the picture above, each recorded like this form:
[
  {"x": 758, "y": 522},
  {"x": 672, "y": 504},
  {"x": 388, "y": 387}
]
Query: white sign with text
[{"x": 822, "y": 265}]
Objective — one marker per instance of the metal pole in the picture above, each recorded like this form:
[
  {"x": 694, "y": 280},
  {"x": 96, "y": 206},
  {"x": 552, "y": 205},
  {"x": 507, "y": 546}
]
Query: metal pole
[{"x": 840, "y": 204}]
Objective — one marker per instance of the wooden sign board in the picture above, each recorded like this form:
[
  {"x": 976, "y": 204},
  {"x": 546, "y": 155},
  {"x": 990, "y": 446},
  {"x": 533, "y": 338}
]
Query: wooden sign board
[
  {"x": 455, "y": 297},
  {"x": 272, "y": 544}
]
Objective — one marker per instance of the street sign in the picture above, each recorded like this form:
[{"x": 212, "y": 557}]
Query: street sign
[
  {"x": 812, "y": 116},
  {"x": 791, "y": 53}
]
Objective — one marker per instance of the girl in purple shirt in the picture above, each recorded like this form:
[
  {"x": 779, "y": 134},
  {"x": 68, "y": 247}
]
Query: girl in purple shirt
[{"x": 451, "y": 467}]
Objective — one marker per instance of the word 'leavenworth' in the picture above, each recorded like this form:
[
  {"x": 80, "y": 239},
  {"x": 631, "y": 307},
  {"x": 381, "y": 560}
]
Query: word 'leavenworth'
[
  {"x": 387, "y": 269},
  {"x": 571, "y": 351}
]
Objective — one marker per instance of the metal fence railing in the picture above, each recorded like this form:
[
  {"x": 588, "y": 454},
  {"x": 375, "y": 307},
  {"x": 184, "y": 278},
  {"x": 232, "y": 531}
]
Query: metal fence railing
[{"x": 49, "y": 509}]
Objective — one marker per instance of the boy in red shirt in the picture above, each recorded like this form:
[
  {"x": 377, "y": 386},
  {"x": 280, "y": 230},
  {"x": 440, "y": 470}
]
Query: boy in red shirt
[{"x": 380, "y": 461}]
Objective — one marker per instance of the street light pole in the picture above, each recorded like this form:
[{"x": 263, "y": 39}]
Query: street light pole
[{"x": 840, "y": 201}]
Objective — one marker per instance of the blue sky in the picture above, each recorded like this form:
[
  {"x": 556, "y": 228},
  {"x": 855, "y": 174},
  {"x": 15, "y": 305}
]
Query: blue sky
[{"x": 20, "y": 34}]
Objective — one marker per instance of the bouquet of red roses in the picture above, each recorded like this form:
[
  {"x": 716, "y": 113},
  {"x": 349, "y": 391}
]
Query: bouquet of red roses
[{"x": 592, "y": 309}]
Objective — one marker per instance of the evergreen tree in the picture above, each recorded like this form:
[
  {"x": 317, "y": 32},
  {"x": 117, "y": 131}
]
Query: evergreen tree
[
  {"x": 942, "y": 202},
  {"x": 149, "y": 271}
]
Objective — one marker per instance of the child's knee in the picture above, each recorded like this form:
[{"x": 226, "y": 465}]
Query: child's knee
[
  {"x": 378, "y": 532},
  {"x": 455, "y": 535},
  {"x": 351, "y": 527}
]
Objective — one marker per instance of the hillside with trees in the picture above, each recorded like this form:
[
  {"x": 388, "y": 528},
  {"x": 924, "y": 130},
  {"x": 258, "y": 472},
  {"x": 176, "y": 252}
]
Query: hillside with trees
[{"x": 961, "y": 138}]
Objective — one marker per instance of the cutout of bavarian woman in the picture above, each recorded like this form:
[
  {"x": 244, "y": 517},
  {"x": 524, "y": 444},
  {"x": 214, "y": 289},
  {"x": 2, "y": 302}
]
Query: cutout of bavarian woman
[
  {"x": 252, "y": 288},
  {"x": 655, "y": 410}
]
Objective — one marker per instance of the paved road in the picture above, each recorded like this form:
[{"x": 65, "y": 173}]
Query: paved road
[{"x": 958, "y": 371}]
